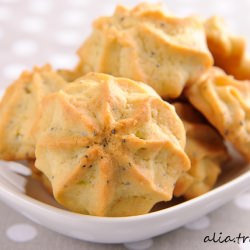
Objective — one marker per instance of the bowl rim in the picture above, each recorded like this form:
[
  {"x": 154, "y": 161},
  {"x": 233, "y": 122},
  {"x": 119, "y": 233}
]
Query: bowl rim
[{"x": 26, "y": 199}]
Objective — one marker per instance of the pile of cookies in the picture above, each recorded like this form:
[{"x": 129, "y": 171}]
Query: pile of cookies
[{"x": 143, "y": 117}]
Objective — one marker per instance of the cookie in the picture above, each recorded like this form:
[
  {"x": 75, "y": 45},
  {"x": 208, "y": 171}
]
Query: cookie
[
  {"x": 18, "y": 109},
  {"x": 206, "y": 151},
  {"x": 228, "y": 50},
  {"x": 109, "y": 146},
  {"x": 149, "y": 45},
  {"x": 224, "y": 101}
]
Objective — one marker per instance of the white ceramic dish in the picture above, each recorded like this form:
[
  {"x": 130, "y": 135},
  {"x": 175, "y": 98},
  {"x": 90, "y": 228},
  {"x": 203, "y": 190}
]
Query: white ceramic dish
[{"x": 29, "y": 198}]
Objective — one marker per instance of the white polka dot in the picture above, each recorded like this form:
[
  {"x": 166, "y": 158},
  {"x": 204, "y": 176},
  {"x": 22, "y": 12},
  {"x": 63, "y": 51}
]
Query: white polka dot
[
  {"x": 40, "y": 6},
  {"x": 243, "y": 201},
  {"x": 244, "y": 245},
  {"x": 21, "y": 232},
  {"x": 139, "y": 245},
  {"x": 24, "y": 48},
  {"x": 69, "y": 37},
  {"x": 32, "y": 24},
  {"x": 5, "y": 13},
  {"x": 13, "y": 71},
  {"x": 74, "y": 17},
  {"x": 63, "y": 60},
  {"x": 199, "y": 224}
]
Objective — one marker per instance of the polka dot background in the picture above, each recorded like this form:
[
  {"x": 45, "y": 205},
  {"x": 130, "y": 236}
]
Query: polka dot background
[{"x": 35, "y": 32}]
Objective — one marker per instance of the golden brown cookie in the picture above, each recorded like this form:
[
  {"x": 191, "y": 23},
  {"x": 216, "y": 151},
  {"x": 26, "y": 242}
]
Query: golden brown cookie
[
  {"x": 18, "y": 109},
  {"x": 224, "y": 101},
  {"x": 110, "y": 146},
  {"x": 206, "y": 151},
  {"x": 228, "y": 50},
  {"x": 149, "y": 45}
]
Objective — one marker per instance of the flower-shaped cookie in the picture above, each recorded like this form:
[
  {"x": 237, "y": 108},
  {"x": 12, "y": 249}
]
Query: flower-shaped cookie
[
  {"x": 228, "y": 50},
  {"x": 147, "y": 44},
  {"x": 110, "y": 146},
  {"x": 225, "y": 102},
  {"x": 18, "y": 109},
  {"x": 206, "y": 151}
]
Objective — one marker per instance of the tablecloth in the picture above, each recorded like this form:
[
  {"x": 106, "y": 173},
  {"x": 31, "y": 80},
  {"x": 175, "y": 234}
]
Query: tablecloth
[{"x": 35, "y": 32}]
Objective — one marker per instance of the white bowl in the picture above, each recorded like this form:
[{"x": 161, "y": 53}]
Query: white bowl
[{"x": 27, "y": 197}]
